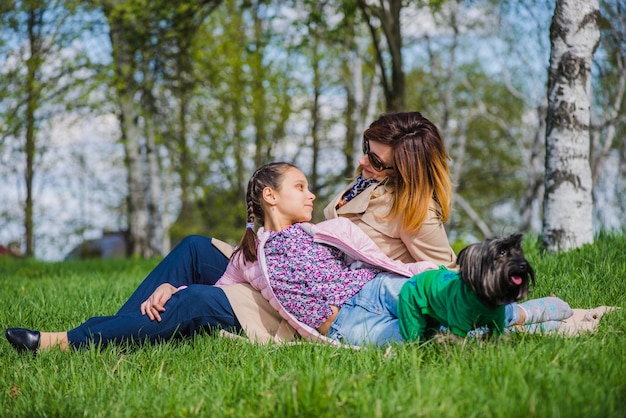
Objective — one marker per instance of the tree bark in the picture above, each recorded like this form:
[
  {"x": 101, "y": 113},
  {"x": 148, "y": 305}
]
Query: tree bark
[
  {"x": 125, "y": 67},
  {"x": 388, "y": 14},
  {"x": 574, "y": 36},
  {"x": 33, "y": 65}
]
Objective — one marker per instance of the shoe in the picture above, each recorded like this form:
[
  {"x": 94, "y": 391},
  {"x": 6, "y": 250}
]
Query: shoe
[{"x": 23, "y": 339}]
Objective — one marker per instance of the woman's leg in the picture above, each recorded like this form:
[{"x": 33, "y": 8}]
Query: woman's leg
[
  {"x": 189, "y": 310},
  {"x": 193, "y": 261},
  {"x": 371, "y": 316}
]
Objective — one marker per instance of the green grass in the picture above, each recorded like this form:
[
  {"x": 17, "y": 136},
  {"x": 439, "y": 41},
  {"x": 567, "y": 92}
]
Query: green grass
[{"x": 518, "y": 376}]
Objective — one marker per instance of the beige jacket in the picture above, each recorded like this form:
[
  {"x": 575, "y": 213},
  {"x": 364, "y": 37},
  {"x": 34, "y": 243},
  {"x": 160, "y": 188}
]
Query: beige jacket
[
  {"x": 368, "y": 209},
  {"x": 259, "y": 320}
]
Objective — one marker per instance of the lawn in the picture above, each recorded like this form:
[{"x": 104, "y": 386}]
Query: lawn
[{"x": 514, "y": 376}]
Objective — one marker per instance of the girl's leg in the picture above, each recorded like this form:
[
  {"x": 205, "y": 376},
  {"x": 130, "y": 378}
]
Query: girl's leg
[
  {"x": 371, "y": 316},
  {"x": 535, "y": 316},
  {"x": 193, "y": 261},
  {"x": 535, "y": 311},
  {"x": 188, "y": 311}
]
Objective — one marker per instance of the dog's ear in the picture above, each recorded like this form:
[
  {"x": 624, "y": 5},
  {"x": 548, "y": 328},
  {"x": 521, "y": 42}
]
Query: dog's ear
[
  {"x": 470, "y": 264},
  {"x": 515, "y": 239},
  {"x": 461, "y": 257}
]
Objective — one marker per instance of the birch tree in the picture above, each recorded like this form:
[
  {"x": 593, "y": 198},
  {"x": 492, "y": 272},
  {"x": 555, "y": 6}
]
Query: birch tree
[
  {"x": 147, "y": 38},
  {"x": 36, "y": 79},
  {"x": 385, "y": 17},
  {"x": 574, "y": 36}
]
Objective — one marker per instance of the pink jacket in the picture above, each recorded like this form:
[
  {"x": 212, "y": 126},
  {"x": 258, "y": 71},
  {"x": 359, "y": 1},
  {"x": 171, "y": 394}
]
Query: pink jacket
[{"x": 339, "y": 233}]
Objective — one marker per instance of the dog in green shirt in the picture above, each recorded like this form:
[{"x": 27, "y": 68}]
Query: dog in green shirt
[{"x": 491, "y": 274}]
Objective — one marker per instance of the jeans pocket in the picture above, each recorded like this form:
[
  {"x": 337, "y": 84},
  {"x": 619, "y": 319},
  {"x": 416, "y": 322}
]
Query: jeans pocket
[{"x": 367, "y": 304}]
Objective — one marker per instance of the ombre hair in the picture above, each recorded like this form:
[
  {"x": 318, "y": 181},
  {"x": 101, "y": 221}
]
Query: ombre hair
[{"x": 420, "y": 162}]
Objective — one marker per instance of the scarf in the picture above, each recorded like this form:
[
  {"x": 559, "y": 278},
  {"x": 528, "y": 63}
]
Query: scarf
[{"x": 360, "y": 185}]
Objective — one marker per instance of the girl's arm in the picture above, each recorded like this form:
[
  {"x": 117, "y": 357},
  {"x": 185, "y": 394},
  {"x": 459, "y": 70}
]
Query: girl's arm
[{"x": 234, "y": 272}]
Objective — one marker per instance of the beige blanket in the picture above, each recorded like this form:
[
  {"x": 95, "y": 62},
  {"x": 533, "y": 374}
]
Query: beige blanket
[{"x": 584, "y": 320}]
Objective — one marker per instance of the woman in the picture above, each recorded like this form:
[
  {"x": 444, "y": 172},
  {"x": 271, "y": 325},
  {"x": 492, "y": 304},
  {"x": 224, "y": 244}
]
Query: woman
[{"x": 401, "y": 197}]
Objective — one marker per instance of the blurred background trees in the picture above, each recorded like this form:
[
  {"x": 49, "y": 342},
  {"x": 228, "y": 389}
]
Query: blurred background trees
[{"x": 149, "y": 116}]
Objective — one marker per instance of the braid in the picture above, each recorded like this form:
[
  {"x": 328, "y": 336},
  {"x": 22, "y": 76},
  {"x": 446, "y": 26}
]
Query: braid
[
  {"x": 250, "y": 210},
  {"x": 269, "y": 175}
]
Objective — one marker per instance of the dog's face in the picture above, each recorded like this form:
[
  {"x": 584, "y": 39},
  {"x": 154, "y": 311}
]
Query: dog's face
[{"x": 496, "y": 270}]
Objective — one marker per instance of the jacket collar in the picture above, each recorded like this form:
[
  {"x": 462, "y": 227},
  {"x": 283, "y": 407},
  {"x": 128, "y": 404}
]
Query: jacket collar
[{"x": 360, "y": 202}]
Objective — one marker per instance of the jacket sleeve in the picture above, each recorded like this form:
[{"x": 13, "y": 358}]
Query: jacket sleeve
[
  {"x": 431, "y": 242},
  {"x": 233, "y": 274},
  {"x": 357, "y": 245}
]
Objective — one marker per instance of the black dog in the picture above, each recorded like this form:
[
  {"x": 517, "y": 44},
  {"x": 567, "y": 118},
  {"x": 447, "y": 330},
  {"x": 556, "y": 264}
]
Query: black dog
[
  {"x": 491, "y": 275},
  {"x": 496, "y": 270}
]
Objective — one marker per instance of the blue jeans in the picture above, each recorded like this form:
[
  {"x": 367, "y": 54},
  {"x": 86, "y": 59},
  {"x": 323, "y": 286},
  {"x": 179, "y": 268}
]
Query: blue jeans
[
  {"x": 371, "y": 316},
  {"x": 196, "y": 263}
]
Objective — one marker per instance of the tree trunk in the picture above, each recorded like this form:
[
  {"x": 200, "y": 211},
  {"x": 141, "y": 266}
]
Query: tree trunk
[
  {"x": 388, "y": 13},
  {"x": 33, "y": 65},
  {"x": 574, "y": 36},
  {"x": 137, "y": 203},
  {"x": 154, "y": 194},
  {"x": 534, "y": 172},
  {"x": 125, "y": 67}
]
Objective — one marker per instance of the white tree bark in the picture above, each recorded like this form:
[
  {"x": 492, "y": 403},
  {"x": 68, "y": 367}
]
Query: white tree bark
[
  {"x": 574, "y": 36},
  {"x": 137, "y": 203}
]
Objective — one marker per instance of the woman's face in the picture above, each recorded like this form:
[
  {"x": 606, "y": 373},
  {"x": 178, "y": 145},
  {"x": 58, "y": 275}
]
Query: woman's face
[
  {"x": 294, "y": 201},
  {"x": 383, "y": 152}
]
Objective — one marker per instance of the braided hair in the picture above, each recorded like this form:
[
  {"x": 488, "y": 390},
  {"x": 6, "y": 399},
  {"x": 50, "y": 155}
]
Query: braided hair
[{"x": 269, "y": 175}]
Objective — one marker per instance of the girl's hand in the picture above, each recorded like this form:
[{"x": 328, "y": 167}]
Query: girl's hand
[{"x": 155, "y": 304}]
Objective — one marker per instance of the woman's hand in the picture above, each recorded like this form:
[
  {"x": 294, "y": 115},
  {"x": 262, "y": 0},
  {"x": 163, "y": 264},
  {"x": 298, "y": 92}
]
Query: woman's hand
[{"x": 155, "y": 304}]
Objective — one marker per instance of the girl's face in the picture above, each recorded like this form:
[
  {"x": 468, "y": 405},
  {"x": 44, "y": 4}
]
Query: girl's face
[
  {"x": 383, "y": 153},
  {"x": 294, "y": 201}
]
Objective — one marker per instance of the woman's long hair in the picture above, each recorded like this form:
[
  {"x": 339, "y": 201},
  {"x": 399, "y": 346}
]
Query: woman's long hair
[{"x": 420, "y": 161}]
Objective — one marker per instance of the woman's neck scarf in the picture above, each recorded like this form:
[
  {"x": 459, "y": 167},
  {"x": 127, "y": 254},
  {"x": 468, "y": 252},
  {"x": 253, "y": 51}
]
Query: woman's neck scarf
[{"x": 360, "y": 185}]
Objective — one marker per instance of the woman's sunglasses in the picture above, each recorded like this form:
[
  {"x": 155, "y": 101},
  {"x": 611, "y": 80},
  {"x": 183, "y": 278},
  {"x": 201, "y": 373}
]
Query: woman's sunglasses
[{"x": 374, "y": 160}]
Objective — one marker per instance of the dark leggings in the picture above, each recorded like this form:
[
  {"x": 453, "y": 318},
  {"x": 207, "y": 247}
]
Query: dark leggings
[{"x": 196, "y": 263}]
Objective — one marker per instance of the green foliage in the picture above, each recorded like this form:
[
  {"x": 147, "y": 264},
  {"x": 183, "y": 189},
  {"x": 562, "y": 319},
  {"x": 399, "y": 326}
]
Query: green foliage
[
  {"x": 486, "y": 146},
  {"x": 224, "y": 86},
  {"x": 515, "y": 376},
  {"x": 222, "y": 214}
]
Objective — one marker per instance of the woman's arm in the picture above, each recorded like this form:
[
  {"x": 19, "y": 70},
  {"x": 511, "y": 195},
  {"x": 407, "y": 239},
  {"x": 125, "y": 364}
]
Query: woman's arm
[
  {"x": 430, "y": 243},
  {"x": 357, "y": 245}
]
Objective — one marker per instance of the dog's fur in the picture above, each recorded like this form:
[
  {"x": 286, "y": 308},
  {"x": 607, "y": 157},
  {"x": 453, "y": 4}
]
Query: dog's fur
[{"x": 496, "y": 270}]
